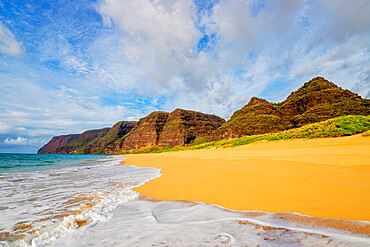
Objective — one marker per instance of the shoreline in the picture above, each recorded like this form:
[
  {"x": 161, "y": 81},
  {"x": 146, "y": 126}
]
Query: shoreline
[
  {"x": 327, "y": 178},
  {"x": 291, "y": 220}
]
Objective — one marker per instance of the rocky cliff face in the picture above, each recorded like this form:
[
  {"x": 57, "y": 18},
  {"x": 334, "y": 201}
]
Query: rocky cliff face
[
  {"x": 315, "y": 101},
  {"x": 107, "y": 144},
  {"x": 169, "y": 129},
  {"x": 257, "y": 117},
  {"x": 183, "y": 126},
  {"x": 55, "y": 143},
  {"x": 73, "y": 144},
  {"x": 91, "y": 141},
  {"x": 146, "y": 132},
  {"x": 318, "y": 100}
]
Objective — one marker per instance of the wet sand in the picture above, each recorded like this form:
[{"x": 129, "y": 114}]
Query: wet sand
[{"x": 322, "y": 177}]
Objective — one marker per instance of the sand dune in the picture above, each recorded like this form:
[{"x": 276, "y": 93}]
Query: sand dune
[{"x": 321, "y": 177}]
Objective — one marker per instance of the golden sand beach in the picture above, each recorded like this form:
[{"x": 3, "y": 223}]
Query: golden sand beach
[{"x": 317, "y": 177}]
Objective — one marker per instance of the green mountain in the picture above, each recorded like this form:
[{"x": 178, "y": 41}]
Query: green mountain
[{"x": 317, "y": 100}]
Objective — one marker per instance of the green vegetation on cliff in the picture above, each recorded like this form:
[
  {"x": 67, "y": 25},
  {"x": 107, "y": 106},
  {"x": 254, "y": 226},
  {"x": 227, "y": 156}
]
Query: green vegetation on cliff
[
  {"x": 367, "y": 133},
  {"x": 316, "y": 101},
  {"x": 91, "y": 141},
  {"x": 336, "y": 127},
  {"x": 183, "y": 126},
  {"x": 74, "y": 143},
  {"x": 107, "y": 144}
]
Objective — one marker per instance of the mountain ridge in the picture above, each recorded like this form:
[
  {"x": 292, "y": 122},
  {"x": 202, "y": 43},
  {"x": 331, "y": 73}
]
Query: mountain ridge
[{"x": 315, "y": 101}]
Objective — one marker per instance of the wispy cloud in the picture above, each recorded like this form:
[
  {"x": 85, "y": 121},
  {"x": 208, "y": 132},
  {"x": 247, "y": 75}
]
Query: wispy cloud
[
  {"x": 160, "y": 38},
  {"x": 253, "y": 44},
  {"x": 8, "y": 43},
  {"x": 74, "y": 65}
]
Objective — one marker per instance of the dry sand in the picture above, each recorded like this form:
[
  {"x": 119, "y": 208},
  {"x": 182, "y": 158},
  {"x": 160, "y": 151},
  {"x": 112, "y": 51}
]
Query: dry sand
[{"x": 321, "y": 177}]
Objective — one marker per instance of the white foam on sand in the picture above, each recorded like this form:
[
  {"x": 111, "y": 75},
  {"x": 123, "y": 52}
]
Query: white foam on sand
[
  {"x": 114, "y": 215},
  {"x": 172, "y": 223},
  {"x": 44, "y": 206}
]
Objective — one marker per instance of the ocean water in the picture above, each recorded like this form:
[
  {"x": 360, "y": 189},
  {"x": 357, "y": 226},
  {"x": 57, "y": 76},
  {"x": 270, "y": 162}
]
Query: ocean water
[
  {"x": 87, "y": 200},
  {"x": 44, "y": 197}
]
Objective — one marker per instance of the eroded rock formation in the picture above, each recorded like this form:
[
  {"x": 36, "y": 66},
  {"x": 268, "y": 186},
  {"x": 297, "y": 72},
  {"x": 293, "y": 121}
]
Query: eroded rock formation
[
  {"x": 315, "y": 101},
  {"x": 146, "y": 131},
  {"x": 74, "y": 143},
  {"x": 184, "y": 126},
  {"x": 56, "y": 142}
]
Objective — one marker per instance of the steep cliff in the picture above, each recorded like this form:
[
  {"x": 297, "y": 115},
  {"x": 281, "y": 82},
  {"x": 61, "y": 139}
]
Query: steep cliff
[
  {"x": 315, "y": 101},
  {"x": 318, "y": 100},
  {"x": 146, "y": 131},
  {"x": 183, "y": 126},
  {"x": 107, "y": 144},
  {"x": 257, "y": 117},
  {"x": 73, "y": 144},
  {"x": 56, "y": 142}
]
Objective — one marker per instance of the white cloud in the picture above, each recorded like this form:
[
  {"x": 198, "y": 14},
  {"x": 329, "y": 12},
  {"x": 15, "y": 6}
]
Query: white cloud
[
  {"x": 4, "y": 128},
  {"x": 7, "y": 128},
  {"x": 293, "y": 40},
  {"x": 345, "y": 64},
  {"x": 8, "y": 43},
  {"x": 279, "y": 42},
  {"x": 82, "y": 75},
  {"x": 23, "y": 141},
  {"x": 161, "y": 37},
  {"x": 342, "y": 19},
  {"x": 18, "y": 141},
  {"x": 55, "y": 111}
]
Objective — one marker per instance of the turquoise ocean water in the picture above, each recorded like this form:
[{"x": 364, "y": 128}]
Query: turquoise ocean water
[
  {"x": 10, "y": 163},
  {"x": 44, "y": 197}
]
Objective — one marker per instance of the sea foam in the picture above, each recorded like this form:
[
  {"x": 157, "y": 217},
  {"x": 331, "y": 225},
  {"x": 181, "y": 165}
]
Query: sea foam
[
  {"x": 40, "y": 207},
  {"x": 144, "y": 222},
  {"x": 94, "y": 204}
]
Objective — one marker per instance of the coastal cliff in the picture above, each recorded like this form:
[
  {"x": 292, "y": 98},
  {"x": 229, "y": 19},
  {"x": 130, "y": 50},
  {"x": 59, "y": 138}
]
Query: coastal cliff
[
  {"x": 57, "y": 142},
  {"x": 108, "y": 143},
  {"x": 145, "y": 132},
  {"x": 183, "y": 126},
  {"x": 315, "y": 101},
  {"x": 88, "y": 142},
  {"x": 74, "y": 143},
  {"x": 158, "y": 128}
]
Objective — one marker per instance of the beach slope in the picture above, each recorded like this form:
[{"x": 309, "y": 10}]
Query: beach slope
[{"x": 327, "y": 177}]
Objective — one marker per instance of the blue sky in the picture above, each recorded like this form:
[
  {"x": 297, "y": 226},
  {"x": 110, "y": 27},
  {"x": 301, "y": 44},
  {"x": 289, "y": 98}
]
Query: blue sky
[{"x": 68, "y": 66}]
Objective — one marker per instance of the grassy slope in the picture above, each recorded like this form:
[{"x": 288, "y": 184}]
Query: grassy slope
[{"x": 336, "y": 127}]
